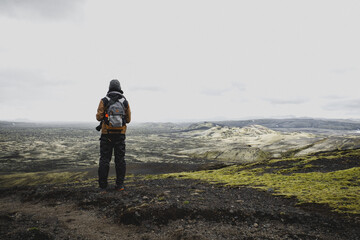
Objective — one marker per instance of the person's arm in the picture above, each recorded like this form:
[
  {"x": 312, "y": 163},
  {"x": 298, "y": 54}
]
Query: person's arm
[
  {"x": 100, "y": 111},
  {"x": 128, "y": 114}
]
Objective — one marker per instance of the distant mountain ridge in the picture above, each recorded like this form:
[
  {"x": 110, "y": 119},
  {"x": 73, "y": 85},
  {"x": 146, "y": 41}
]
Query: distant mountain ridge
[
  {"x": 291, "y": 123},
  {"x": 275, "y": 124},
  {"x": 295, "y": 123}
]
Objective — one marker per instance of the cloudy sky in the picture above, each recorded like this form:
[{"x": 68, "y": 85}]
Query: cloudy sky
[{"x": 180, "y": 60}]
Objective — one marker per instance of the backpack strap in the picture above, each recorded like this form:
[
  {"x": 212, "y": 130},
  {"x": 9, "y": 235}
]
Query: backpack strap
[
  {"x": 106, "y": 101},
  {"x": 122, "y": 100}
]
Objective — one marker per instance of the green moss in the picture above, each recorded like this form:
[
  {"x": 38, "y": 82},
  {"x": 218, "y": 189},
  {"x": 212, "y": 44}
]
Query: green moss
[
  {"x": 322, "y": 155},
  {"x": 151, "y": 177},
  {"x": 262, "y": 156},
  {"x": 338, "y": 189},
  {"x": 31, "y": 179},
  {"x": 161, "y": 198}
]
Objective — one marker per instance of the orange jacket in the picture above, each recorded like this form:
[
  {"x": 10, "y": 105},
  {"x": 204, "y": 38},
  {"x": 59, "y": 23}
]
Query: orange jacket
[{"x": 104, "y": 127}]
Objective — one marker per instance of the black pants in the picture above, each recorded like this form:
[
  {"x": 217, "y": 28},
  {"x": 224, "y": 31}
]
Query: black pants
[{"x": 108, "y": 143}]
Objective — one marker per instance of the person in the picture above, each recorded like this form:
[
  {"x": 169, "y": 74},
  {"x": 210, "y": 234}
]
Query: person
[{"x": 112, "y": 136}]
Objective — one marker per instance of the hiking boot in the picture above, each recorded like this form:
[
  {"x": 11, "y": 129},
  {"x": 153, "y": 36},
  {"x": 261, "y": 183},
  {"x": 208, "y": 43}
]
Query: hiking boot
[
  {"x": 119, "y": 188},
  {"x": 102, "y": 190}
]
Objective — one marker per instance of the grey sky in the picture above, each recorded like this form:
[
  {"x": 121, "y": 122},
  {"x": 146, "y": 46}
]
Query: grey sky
[
  {"x": 180, "y": 60},
  {"x": 40, "y": 9}
]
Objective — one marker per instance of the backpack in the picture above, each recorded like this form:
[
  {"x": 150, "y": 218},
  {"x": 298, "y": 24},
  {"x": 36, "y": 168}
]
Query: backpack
[{"x": 115, "y": 112}]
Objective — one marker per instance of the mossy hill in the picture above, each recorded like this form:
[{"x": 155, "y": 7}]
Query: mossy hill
[
  {"x": 309, "y": 197},
  {"x": 330, "y": 178}
]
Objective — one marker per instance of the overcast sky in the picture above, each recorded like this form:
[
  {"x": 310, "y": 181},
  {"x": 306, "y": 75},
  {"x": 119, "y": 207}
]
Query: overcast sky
[{"x": 180, "y": 60}]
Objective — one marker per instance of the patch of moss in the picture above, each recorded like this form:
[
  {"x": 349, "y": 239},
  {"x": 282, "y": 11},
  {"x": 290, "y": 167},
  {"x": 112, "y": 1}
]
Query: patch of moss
[
  {"x": 263, "y": 156},
  {"x": 339, "y": 189},
  {"x": 150, "y": 177},
  {"x": 321, "y": 155},
  {"x": 37, "y": 178}
]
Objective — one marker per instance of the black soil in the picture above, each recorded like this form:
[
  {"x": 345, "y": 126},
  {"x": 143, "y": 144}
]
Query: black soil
[{"x": 164, "y": 209}]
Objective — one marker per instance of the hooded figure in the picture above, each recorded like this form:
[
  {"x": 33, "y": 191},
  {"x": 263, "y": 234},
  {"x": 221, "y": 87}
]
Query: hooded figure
[{"x": 112, "y": 137}]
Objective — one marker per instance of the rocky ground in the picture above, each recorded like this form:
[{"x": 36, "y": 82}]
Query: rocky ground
[
  {"x": 36, "y": 203},
  {"x": 164, "y": 209}
]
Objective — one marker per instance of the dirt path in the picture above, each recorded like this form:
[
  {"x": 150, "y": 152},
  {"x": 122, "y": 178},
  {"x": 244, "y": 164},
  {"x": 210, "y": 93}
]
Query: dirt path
[
  {"x": 66, "y": 220},
  {"x": 164, "y": 209}
]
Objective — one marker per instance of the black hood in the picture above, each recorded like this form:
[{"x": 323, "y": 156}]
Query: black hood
[{"x": 115, "y": 86}]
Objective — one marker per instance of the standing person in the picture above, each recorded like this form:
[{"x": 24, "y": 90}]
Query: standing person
[{"x": 114, "y": 113}]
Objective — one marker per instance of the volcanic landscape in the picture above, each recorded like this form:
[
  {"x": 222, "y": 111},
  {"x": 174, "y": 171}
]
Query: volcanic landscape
[{"x": 255, "y": 179}]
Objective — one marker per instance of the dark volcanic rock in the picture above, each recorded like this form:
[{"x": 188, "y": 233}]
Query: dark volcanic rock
[{"x": 168, "y": 209}]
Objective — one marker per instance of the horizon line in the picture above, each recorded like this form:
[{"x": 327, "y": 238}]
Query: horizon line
[{"x": 176, "y": 121}]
